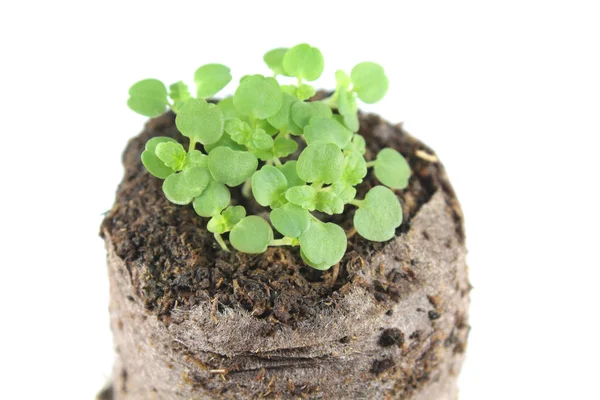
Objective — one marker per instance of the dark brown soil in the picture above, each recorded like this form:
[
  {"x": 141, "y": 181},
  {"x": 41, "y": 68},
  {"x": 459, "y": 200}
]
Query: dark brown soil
[{"x": 174, "y": 261}]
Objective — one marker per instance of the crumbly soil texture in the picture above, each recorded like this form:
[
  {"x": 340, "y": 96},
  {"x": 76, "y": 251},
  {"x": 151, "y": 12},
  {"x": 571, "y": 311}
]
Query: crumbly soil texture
[{"x": 173, "y": 261}]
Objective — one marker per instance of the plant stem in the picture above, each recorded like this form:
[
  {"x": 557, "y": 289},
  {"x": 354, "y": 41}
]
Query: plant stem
[
  {"x": 192, "y": 145},
  {"x": 221, "y": 242},
  {"x": 247, "y": 188},
  {"x": 277, "y": 162},
  {"x": 317, "y": 185},
  {"x": 286, "y": 241},
  {"x": 357, "y": 203},
  {"x": 370, "y": 164}
]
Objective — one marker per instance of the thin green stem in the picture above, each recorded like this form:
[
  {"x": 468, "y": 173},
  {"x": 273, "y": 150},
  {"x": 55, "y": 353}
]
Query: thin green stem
[
  {"x": 286, "y": 241},
  {"x": 299, "y": 81},
  {"x": 357, "y": 203},
  {"x": 192, "y": 145},
  {"x": 371, "y": 164},
  {"x": 331, "y": 101},
  {"x": 221, "y": 242},
  {"x": 277, "y": 162},
  {"x": 317, "y": 185},
  {"x": 247, "y": 189}
]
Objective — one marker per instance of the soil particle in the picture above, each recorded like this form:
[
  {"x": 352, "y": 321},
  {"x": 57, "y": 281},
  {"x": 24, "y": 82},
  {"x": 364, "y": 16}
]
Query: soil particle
[
  {"x": 391, "y": 337},
  {"x": 380, "y": 366},
  {"x": 433, "y": 315}
]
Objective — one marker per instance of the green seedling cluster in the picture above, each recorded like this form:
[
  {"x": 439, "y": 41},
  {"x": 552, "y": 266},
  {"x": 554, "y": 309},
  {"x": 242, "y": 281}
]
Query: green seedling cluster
[{"x": 251, "y": 139}]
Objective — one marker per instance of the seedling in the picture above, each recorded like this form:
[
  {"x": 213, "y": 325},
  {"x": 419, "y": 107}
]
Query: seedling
[{"x": 251, "y": 139}]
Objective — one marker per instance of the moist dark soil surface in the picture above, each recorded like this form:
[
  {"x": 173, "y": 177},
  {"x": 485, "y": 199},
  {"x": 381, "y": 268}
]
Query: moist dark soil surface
[{"x": 174, "y": 261}]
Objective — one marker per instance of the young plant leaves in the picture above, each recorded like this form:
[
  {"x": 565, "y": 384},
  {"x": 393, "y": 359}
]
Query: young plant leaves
[
  {"x": 321, "y": 162},
  {"x": 291, "y": 175},
  {"x": 181, "y": 188},
  {"x": 290, "y": 220},
  {"x": 328, "y": 130},
  {"x": 148, "y": 97},
  {"x": 379, "y": 215},
  {"x": 213, "y": 200},
  {"x": 323, "y": 244},
  {"x": 171, "y": 154},
  {"x": 258, "y": 97},
  {"x": 231, "y": 167},
  {"x": 269, "y": 186},
  {"x": 153, "y": 164},
  {"x": 303, "y": 196},
  {"x": 356, "y": 168},
  {"x": 392, "y": 169},
  {"x": 210, "y": 79},
  {"x": 283, "y": 120},
  {"x": 305, "y": 91},
  {"x": 200, "y": 121},
  {"x": 348, "y": 108},
  {"x": 195, "y": 158},
  {"x": 283, "y": 147},
  {"x": 274, "y": 60},
  {"x": 179, "y": 93},
  {"x": 303, "y": 62},
  {"x": 225, "y": 221},
  {"x": 302, "y": 112},
  {"x": 251, "y": 235},
  {"x": 370, "y": 82},
  {"x": 329, "y": 203}
]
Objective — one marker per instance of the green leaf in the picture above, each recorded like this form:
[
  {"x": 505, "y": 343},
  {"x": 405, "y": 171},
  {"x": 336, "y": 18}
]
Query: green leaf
[
  {"x": 369, "y": 82},
  {"x": 379, "y": 215},
  {"x": 329, "y": 203},
  {"x": 291, "y": 175},
  {"x": 283, "y": 146},
  {"x": 213, "y": 200},
  {"x": 195, "y": 158},
  {"x": 226, "y": 220},
  {"x": 239, "y": 130},
  {"x": 153, "y": 164},
  {"x": 148, "y": 97},
  {"x": 305, "y": 91},
  {"x": 290, "y": 220},
  {"x": 258, "y": 97},
  {"x": 302, "y": 196},
  {"x": 302, "y": 112},
  {"x": 321, "y": 162},
  {"x": 283, "y": 120},
  {"x": 231, "y": 167},
  {"x": 304, "y": 62},
  {"x": 348, "y": 109},
  {"x": 260, "y": 140},
  {"x": 345, "y": 192},
  {"x": 328, "y": 130},
  {"x": 225, "y": 141},
  {"x": 342, "y": 79},
  {"x": 251, "y": 235},
  {"x": 392, "y": 169},
  {"x": 357, "y": 144},
  {"x": 268, "y": 186},
  {"x": 266, "y": 126},
  {"x": 228, "y": 109},
  {"x": 172, "y": 154},
  {"x": 323, "y": 244},
  {"x": 274, "y": 60},
  {"x": 179, "y": 93},
  {"x": 200, "y": 121},
  {"x": 355, "y": 169},
  {"x": 210, "y": 79},
  {"x": 181, "y": 188}
]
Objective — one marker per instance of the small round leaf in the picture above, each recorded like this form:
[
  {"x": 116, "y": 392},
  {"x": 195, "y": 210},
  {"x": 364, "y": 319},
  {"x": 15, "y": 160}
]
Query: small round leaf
[
  {"x": 200, "y": 121},
  {"x": 274, "y": 60},
  {"x": 148, "y": 97},
  {"x": 328, "y": 130},
  {"x": 251, "y": 235},
  {"x": 303, "y": 196},
  {"x": 181, "y": 188},
  {"x": 283, "y": 147},
  {"x": 172, "y": 154},
  {"x": 195, "y": 158},
  {"x": 153, "y": 164},
  {"x": 370, "y": 82},
  {"x": 291, "y": 175},
  {"x": 323, "y": 244},
  {"x": 392, "y": 169},
  {"x": 210, "y": 79},
  {"x": 290, "y": 220},
  {"x": 356, "y": 168},
  {"x": 379, "y": 215},
  {"x": 304, "y": 62},
  {"x": 305, "y": 91},
  {"x": 225, "y": 141},
  {"x": 213, "y": 200},
  {"x": 302, "y": 112},
  {"x": 231, "y": 167},
  {"x": 329, "y": 203},
  {"x": 258, "y": 96},
  {"x": 357, "y": 144},
  {"x": 268, "y": 186},
  {"x": 348, "y": 109},
  {"x": 321, "y": 162}
]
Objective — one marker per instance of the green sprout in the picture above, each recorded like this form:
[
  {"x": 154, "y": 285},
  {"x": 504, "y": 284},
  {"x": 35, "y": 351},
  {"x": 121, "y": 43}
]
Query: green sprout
[{"x": 251, "y": 140}]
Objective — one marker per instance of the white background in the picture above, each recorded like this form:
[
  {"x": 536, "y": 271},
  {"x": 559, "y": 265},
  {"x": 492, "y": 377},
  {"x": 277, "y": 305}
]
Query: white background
[{"x": 507, "y": 92}]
